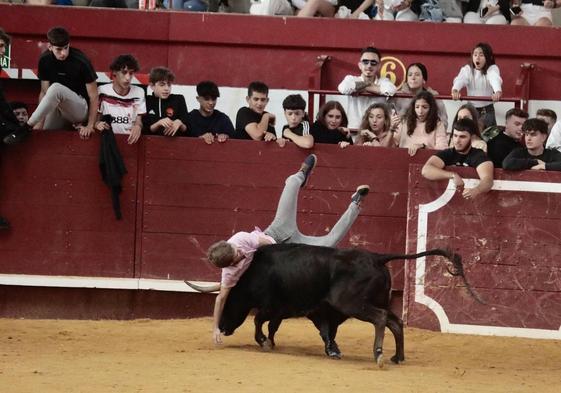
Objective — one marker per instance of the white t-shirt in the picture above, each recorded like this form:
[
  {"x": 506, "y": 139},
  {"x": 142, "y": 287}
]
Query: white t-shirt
[
  {"x": 124, "y": 109},
  {"x": 357, "y": 105}
]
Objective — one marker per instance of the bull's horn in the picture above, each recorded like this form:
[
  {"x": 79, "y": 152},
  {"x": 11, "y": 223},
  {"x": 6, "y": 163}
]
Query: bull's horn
[{"x": 207, "y": 289}]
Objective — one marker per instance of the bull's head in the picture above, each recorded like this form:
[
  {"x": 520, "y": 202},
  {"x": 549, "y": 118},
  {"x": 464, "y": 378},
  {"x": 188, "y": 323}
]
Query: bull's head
[{"x": 235, "y": 311}]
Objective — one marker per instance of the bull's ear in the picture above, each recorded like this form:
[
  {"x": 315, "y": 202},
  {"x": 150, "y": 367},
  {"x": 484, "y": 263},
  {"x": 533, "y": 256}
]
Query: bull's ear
[{"x": 203, "y": 289}]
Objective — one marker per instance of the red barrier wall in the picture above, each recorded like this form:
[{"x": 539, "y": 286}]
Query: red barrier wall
[
  {"x": 179, "y": 196},
  {"x": 509, "y": 240}
]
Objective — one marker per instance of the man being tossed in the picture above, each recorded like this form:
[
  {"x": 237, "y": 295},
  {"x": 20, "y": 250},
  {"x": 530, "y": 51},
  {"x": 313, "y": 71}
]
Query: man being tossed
[
  {"x": 462, "y": 154},
  {"x": 236, "y": 254}
]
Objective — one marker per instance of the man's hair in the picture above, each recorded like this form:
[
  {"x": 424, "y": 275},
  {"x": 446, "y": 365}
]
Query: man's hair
[
  {"x": 58, "y": 36},
  {"x": 535, "y": 124},
  {"x": 221, "y": 254},
  {"x": 5, "y": 37},
  {"x": 208, "y": 89},
  {"x": 547, "y": 113},
  {"x": 257, "y": 86},
  {"x": 371, "y": 49},
  {"x": 516, "y": 112},
  {"x": 329, "y": 105},
  {"x": 294, "y": 101},
  {"x": 365, "y": 124},
  {"x": 161, "y": 74},
  {"x": 465, "y": 125},
  {"x": 18, "y": 105},
  {"x": 124, "y": 61}
]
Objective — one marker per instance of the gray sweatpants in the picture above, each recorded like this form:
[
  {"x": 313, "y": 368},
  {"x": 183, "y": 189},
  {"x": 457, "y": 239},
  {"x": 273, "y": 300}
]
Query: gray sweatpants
[
  {"x": 284, "y": 228},
  {"x": 60, "y": 107}
]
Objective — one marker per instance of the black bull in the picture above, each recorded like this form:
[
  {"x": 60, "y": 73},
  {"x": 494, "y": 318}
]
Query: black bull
[{"x": 327, "y": 285}]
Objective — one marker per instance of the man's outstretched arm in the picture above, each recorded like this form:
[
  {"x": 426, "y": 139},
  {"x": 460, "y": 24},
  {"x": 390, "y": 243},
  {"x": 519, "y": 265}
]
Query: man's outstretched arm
[{"x": 217, "y": 314}]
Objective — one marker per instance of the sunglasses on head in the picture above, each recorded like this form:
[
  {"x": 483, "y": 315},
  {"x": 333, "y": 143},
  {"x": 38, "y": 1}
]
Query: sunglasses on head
[{"x": 371, "y": 62}]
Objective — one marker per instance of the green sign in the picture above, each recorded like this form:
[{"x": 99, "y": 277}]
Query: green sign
[{"x": 5, "y": 60}]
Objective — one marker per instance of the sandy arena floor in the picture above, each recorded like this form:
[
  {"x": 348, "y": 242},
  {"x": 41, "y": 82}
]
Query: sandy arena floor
[{"x": 178, "y": 356}]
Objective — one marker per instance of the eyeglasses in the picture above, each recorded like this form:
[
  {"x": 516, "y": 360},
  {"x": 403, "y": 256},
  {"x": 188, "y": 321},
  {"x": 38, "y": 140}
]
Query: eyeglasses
[{"x": 371, "y": 62}]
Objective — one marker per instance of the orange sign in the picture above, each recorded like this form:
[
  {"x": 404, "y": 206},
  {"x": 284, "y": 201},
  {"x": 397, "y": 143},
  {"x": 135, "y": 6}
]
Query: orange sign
[{"x": 393, "y": 69}]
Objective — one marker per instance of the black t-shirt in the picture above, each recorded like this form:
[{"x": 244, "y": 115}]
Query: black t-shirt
[
  {"x": 246, "y": 116},
  {"x": 473, "y": 158},
  {"x": 520, "y": 159},
  {"x": 217, "y": 123},
  {"x": 173, "y": 107},
  {"x": 301, "y": 129},
  {"x": 73, "y": 72},
  {"x": 323, "y": 134},
  {"x": 499, "y": 147}
]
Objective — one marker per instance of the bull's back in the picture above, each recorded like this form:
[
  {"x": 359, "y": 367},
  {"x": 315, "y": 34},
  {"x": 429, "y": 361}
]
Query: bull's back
[{"x": 297, "y": 277}]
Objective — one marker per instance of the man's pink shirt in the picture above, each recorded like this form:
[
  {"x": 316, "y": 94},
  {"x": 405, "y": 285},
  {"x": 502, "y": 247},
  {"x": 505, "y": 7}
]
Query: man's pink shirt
[{"x": 247, "y": 243}]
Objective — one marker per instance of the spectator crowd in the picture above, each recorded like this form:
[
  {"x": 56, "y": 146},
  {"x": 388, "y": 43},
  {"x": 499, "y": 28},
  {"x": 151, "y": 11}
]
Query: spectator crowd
[
  {"x": 493, "y": 12},
  {"x": 372, "y": 116}
]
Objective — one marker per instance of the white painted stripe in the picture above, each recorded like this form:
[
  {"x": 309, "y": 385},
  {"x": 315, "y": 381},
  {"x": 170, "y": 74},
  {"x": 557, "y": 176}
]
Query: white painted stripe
[
  {"x": 422, "y": 298},
  {"x": 99, "y": 282},
  {"x": 102, "y": 77},
  {"x": 11, "y": 72},
  {"x": 27, "y": 73}
]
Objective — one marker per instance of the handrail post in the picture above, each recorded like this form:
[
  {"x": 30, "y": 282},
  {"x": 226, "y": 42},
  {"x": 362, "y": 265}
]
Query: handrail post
[
  {"x": 315, "y": 82},
  {"x": 522, "y": 86}
]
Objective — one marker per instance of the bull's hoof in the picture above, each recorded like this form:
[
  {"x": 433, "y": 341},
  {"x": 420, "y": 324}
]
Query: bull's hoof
[
  {"x": 333, "y": 351},
  {"x": 267, "y": 345},
  {"x": 380, "y": 360},
  {"x": 334, "y": 354},
  {"x": 397, "y": 359}
]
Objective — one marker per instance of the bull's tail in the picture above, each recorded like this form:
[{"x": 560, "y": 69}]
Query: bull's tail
[
  {"x": 199, "y": 288},
  {"x": 455, "y": 259}
]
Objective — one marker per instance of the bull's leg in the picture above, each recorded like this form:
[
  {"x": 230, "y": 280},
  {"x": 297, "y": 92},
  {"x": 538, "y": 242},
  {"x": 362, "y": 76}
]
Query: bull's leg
[
  {"x": 395, "y": 324},
  {"x": 259, "y": 320},
  {"x": 327, "y": 320},
  {"x": 274, "y": 325},
  {"x": 378, "y": 317}
]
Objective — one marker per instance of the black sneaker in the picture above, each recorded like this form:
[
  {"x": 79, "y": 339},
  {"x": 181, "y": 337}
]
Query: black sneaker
[
  {"x": 4, "y": 224},
  {"x": 360, "y": 193},
  {"x": 307, "y": 167},
  {"x": 18, "y": 136}
]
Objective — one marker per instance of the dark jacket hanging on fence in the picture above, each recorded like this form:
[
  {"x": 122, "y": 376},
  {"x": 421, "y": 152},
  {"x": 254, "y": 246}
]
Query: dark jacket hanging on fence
[{"x": 112, "y": 168}]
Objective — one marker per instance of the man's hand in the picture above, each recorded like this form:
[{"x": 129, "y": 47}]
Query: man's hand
[
  {"x": 172, "y": 129},
  {"x": 217, "y": 336},
  {"x": 281, "y": 142},
  {"x": 164, "y": 123},
  {"x": 342, "y": 145},
  {"x": 102, "y": 126},
  {"x": 84, "y": 131},
  {"x": 269, "y": 136},
  {"x": 458, "y": 181},
  {"x": 207, "y": 137},
  {"x": 471, "y": 193},
  {"x": 455, "y": 94},
  {"x": 221, "y": 138},
  {"x": 135, "y": 134},
  {"x": 540, "y": 166}
]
